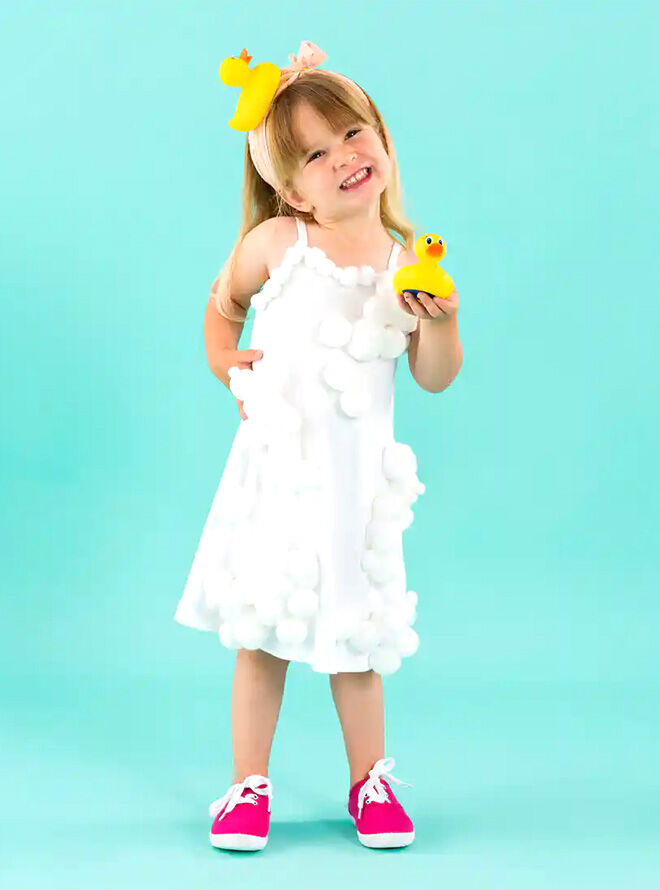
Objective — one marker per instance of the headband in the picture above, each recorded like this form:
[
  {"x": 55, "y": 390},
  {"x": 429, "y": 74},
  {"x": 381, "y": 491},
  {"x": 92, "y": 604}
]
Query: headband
[{"x": 260, "y": 86}]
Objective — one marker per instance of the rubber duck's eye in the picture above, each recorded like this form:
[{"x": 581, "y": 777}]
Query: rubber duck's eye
[
  {"x": 440, "y": 242},
  {"x": 429, "y": 240}
]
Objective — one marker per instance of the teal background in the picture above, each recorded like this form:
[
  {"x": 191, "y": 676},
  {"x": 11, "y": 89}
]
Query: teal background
[{"x": 528, "y": 720}]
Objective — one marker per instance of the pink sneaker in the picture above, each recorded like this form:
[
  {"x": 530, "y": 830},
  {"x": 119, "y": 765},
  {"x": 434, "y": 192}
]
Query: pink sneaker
[
  {"x": 242, "y": 827},
  {"x": 379, "y": 818}
]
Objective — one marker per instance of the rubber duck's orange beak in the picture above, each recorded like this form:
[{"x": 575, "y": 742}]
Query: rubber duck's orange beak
[{"x": 435, "y": 250}]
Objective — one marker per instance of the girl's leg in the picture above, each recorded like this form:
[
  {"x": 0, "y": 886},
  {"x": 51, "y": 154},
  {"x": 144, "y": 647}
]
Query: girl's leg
[
  {"x": 358, "y": 698},
  {"x": 255, "y": 706}
]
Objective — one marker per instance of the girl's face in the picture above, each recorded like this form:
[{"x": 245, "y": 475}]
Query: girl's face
[{"x": 330, "y": 158}]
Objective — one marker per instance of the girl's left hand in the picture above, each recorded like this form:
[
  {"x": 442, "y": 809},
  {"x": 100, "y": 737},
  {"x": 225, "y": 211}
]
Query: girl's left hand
[{"x": 436, "y": 308}]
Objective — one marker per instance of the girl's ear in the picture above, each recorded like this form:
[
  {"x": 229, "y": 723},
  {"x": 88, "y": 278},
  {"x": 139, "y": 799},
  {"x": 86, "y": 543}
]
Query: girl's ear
[{"x": 296, "y": 200}]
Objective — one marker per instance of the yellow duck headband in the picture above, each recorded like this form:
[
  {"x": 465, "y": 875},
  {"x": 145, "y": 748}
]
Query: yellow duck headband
[{"x": 260, "y": 85}]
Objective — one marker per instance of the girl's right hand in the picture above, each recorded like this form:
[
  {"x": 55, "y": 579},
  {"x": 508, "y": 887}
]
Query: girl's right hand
[{"x": 243, "y": 358}]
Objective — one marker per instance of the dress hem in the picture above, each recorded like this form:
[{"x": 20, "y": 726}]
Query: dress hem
[{"x": 196, "y": 623}]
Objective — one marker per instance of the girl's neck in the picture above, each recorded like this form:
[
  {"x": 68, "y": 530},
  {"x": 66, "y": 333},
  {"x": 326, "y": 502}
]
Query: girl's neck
[{"x": 355, "y": 244}]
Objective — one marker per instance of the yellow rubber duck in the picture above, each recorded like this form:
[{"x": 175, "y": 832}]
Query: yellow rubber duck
[
  {"x": 426, "y": 275},
  {"x": 259, "y": 85}
]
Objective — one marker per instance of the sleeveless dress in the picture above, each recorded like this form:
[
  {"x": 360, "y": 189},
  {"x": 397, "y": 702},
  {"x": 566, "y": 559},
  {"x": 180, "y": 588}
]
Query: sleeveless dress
[{"x": 301, "y": 554}]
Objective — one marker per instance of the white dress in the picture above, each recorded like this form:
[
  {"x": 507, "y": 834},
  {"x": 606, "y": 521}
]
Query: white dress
[{"x": 301, "y": 554}]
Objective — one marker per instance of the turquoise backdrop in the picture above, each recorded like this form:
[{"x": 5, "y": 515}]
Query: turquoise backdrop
[{"x": 527, "y": 723}]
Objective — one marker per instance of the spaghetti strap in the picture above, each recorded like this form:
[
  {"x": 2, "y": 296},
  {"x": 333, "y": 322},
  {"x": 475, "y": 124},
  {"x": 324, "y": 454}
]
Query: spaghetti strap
[
  {"x": 302, "y": 232},
  {"x": 396, "y": 249}
]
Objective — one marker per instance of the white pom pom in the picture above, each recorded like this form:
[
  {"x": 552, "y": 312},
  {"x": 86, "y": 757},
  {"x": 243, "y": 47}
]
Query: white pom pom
[
  {"x": 378, "y": 566},
  {"x": 382, "y": 535},
  {"x": 302, "y": 567},
  {"x": 326, "y": 266},
  {"x": 410, "y": 607},
  {"x": 303, "y": 603},
  {"x": 406, "y": 492},
  {"x": 279, "y": 275},
  {"x": 240, "y": 382},
  {"x": 249, "y": 631},
  {"x": 375, "y": 601},
  {"x": 271, "y": 287},
  {"x": 295, "y": 252},
  {"x": 227, "y": 637},
  {"x": 404, "y": 321},
  {"x": 366, "y": 275},
  {"x": 393, "y": 342},
  {"x": 346, "y": 624},
  {"x": 340, "y": 371},
  {"x": 393, "y": 615},
  {"x": 314, "y": 256},
  {"x": 348, "y": 275},
  {"x": 291, "y": 631},
  {"x": 392, "y": 591},
  {"x": 377, "y": 311},
  {"x": 366, "y": 341},
  {"x": 407, "y": 517},
  {"x": 385, "y": 660},
  {"x": 258, "y": 301},
  {"x": 355, "y": 401},
  {"x": 392, "y": 619},
  {"x": 399, "y": 462},
  {"x": 388, "y": 506},
  {"x": 406, "y": 641},
  {"x": 365, "y": 637},
  {"x": 269, "y": 610},
  {"x": 384, "y": 287},
  {"x": 334, "y": 330}
]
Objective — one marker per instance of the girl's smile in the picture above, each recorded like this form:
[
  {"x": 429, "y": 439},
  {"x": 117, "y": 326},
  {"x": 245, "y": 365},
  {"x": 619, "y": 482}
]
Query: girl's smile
[{"x": 356, "y": 180}]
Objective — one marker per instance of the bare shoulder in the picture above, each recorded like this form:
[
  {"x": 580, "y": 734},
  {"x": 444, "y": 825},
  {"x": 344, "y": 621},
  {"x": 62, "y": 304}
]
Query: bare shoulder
[
  {"x": 264, "y": 246},
  {"x": 252, "y": 263},
  {"x": 282, "y": 234}
]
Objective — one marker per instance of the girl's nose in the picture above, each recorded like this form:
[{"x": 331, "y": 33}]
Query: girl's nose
[{"x": 347, "y": 161}]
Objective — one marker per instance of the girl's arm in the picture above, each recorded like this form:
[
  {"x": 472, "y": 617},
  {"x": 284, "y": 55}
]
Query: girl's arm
[
  {"x": 221, "y": 335},
  {"x": 435, "y": 352}
]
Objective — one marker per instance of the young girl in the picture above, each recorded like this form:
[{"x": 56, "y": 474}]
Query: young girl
[{"x": 301, "y": 556}]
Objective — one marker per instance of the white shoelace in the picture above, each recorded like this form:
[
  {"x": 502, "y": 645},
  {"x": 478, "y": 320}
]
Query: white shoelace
[
  {"x": 373, "y": 789},
  {"x": 257, "y": 785}
]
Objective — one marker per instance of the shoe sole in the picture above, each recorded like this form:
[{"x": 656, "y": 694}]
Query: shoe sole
[
  {"x": 387, "y": 839},
  {"x": 238, "y": 841}
]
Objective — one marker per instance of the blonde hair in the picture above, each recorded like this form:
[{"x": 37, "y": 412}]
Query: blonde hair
[{"x": 339, "y": 106}]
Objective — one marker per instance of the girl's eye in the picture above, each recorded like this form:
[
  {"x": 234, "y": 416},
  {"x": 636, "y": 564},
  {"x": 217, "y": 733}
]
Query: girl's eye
[{"x": 311, "y": 157}]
